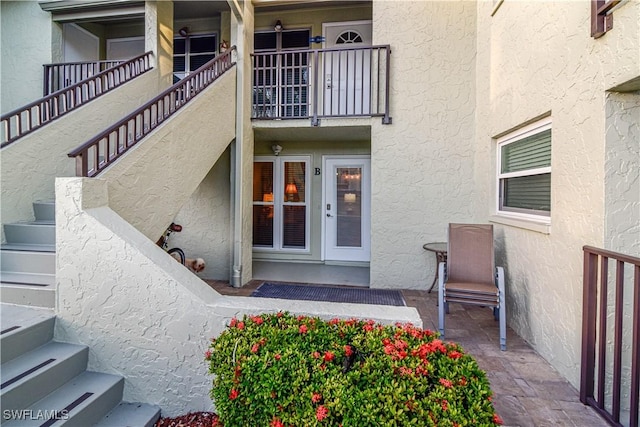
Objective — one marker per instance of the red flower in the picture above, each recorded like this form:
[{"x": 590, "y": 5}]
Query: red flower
[
  {"x": 207, "y": 354},
  {"x": 301, "y": 318},
  {"x": 234, "y": 394},
  {"x": 255, "y": 348},
  {"x": 316, "y": 397},
  {"x": 277, "y": 356},
  {"x": 455, "y": 354},
  {"x": 233, "y": 322},
  {"x": 445, "y": 382},
  {"x": 367, "y": 328},
  {"x": 276, "y": 423},
  {"x": 321, "y": 413},
  {"x": 279, "y": 314},
  {"x": 445, "y": 405},
  {"x": 497, "y": 419},
  {"x": 348, "y": 350},
  {"x": 302, "y": 329},
  {"x": 328, "y": 356},
  {"x": 240, "y": 325},
  {"x": 257, "y": 320},
  {"x": 315, "y": 354}
]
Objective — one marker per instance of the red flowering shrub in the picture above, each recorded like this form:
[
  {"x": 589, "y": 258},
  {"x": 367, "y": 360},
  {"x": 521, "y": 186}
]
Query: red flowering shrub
[{"x": 280, "y": 370}]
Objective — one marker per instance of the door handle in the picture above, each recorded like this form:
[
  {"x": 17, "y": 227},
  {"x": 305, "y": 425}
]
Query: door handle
[{"x": 329, "y": 215}]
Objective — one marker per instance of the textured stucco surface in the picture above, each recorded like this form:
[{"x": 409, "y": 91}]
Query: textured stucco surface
[
  {"x": 547, "y": 63},
  {"x": 144, "y": 315},
  {"x": 24, "y": 28},
  {"x": 149, "y": 185},
  {"x": 422, "y": 164},
  {"x": 206, "y": 219},
  {"x": 30, "y": 165}
]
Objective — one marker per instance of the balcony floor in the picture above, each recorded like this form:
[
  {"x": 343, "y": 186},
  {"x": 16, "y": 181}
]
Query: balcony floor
[{"x": 528, "y": 391}]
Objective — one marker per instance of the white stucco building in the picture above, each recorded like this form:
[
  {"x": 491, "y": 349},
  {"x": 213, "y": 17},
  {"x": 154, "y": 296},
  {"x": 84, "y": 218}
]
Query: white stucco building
[{"x": 425, "y": 113}]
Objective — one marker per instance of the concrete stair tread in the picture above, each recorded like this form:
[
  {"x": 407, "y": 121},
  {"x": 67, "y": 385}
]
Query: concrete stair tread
[
  {"x": 131, "y": 415},
  {"x": 85, "y": 395},
  {"x": 20, "y": 278},
  {"x": 31, "y": 233},
  {"x": 28, "y": 247},
  {"x": 14, "y": 315},
  {"x": 28, "y": 361},
  {"x": 35, "y": 374},
  {"x": 23, "y": 329}
]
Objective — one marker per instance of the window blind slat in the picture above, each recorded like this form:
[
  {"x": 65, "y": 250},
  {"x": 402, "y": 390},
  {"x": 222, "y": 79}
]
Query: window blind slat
[
  {"x": 529, "y": 153},
  {"x": 528, "y": 192}
]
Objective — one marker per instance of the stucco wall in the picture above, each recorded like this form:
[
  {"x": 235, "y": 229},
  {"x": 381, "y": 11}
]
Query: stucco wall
[
  {"x": 150, "y": 184},
  {"x": 27, "y": 29},
  {"x": 206, "y": 222},
  {"x": 144, "y": 315},
  {"x": 30, "y": 165},
  {"x": 536, "y": 59},
  {"x": 422, "y": 164}
]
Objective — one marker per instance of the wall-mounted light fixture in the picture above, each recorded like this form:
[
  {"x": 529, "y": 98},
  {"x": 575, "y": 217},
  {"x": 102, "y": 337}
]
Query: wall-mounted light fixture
[
  {"x": 278, "y": 26},
  {"x": 184, "y": 31},
  {"x": 276, "y": 149}
]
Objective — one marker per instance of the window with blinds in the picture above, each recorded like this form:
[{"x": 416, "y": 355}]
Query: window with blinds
[
  {"x": 524, "y": 176},
  {"x": 192, "y": 52},
  {"x": 281, "y": 203}
]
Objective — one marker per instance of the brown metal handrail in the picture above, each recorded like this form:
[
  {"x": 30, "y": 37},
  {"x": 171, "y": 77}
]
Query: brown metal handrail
[
  {"x": 22, "y": 121},
  {"x": 62, "y": 75},
  {"x": 594, "y": 334},
  {"x": 354, "y": 82},
  {"x": 97, "y": 154}
]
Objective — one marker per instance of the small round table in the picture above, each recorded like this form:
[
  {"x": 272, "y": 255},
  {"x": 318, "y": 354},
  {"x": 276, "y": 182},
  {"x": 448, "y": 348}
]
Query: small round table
[{"x": 440, "y": 249}]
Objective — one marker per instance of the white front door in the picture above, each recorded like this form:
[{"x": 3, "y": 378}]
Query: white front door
[
  {"x": 347, "y": 73},
  {"x": 347, "y": 208}
]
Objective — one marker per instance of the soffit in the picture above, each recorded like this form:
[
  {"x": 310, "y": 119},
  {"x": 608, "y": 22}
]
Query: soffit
[
  {"x": 276, "y": 5},
  {"x": 306, "y": 133}
]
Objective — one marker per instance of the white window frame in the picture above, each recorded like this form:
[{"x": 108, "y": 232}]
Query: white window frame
[
  {"x": 188, "y": 54},
  {"x": 279, "y": 202},
  {"x": 512, "y": 137}
]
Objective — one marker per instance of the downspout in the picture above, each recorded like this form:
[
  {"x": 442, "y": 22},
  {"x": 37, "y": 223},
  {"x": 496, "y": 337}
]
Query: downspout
[{"x": 237, "y": 171}]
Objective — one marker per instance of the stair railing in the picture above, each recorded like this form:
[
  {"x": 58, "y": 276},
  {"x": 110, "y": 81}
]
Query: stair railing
[
  {"x": 97, "y": 154},
  {"x": 22, "y": 121},
  {"x": 62, "y": 75},
  {"x": 602, "y": 369}
]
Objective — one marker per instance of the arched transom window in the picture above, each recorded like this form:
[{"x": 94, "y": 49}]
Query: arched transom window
[{"x": 349, "y": 36}]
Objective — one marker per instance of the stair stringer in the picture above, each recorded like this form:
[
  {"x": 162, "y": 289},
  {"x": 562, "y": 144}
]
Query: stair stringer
[
  {"x": 149, "y": 185},
  {"x": 30, "y": 165},
  {"x": 145, "y": 316}
]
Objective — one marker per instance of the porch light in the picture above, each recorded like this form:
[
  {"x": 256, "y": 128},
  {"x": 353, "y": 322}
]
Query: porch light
[
  {"x": 278, "y": 26},
  {"x": 184, "y": 31}
]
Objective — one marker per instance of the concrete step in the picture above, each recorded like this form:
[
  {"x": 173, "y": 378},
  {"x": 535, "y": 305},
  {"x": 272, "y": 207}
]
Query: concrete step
[
  {"x": 82, "y": 402},
  {"x": 27, "y": 278},
  {"x": 45, "y": 210},
  {"x": 28, "y": 295},
  {"x": 30, "y": 233},
  {"x": 33, "y": 375},
  {"x": 28, "y": 248},
  {"x": 23, "y": 329},
  {"x": 28, "y": 261},
  {"x": 131, "y": 415}
]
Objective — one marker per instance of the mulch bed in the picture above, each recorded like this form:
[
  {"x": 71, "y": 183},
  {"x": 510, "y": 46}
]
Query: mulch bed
[{"x": 192, "y": 419}]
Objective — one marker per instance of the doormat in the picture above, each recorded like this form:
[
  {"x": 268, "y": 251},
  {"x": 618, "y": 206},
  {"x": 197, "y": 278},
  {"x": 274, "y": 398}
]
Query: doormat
[{"x": 330, "y": 294}]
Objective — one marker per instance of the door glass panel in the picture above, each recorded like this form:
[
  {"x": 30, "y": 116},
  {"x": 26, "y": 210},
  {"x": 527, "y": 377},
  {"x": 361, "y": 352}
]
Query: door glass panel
[
  {"x": 263, "y": 204},
  {"x": 349, "y": 204},
  {"x": 294, "y": 226},
  {"x": 294, "y": 181}
]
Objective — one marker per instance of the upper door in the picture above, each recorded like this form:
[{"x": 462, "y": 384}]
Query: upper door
[
  {"x": 347, "y": 72},
  {"x": 347, "y": 209}
]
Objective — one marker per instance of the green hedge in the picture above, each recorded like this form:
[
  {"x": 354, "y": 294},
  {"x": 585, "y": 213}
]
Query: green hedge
[{"x": 280, "y": 370}]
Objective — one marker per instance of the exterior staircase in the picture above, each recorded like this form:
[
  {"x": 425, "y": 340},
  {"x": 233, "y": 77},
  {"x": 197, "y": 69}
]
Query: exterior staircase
[
  {"x": 28, "y": 259},
  {"x": 46, "y": 383}
]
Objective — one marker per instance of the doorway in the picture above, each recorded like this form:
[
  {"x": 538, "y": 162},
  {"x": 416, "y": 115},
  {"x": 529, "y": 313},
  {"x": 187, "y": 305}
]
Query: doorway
[
  {"x": 347, "y": 208},
  {"x": 347, "y": 72}
]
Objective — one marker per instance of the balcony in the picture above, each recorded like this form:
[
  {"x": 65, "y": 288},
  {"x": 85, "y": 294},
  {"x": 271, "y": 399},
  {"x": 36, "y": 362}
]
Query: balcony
[{"x": 322, "y": 83}]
